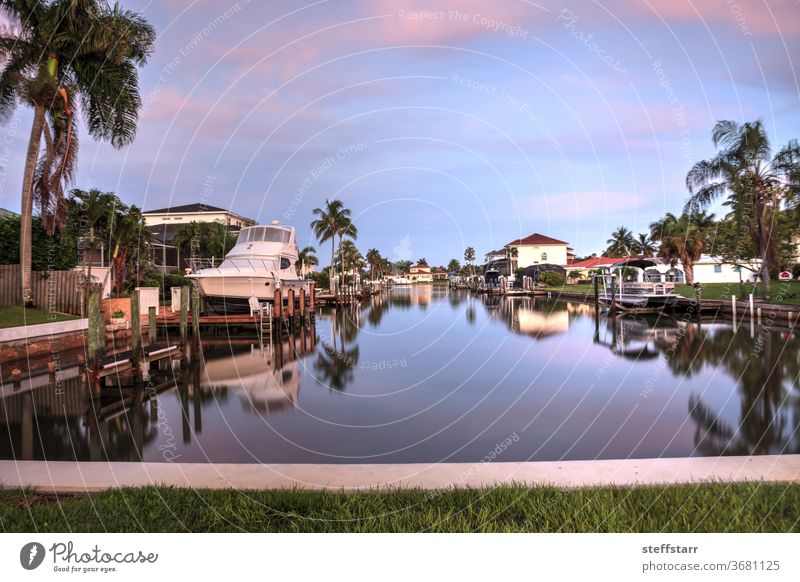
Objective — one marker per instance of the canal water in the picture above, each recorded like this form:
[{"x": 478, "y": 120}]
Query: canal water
[{"x": 423, "y": 374}]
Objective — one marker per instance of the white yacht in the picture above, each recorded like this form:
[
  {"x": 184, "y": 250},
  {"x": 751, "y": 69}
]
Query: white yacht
[
  {"x": 262, "y": 261},
  {"x": 638, "y": 284}
]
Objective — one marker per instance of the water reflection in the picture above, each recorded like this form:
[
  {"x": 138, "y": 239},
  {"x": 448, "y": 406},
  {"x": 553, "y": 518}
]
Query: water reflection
[{"x": 421, "y": 374}]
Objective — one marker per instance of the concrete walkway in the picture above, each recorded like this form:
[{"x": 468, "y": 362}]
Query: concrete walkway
[
  {"x": 66, "y": 477},
  {"x": 42, "y": 329}
]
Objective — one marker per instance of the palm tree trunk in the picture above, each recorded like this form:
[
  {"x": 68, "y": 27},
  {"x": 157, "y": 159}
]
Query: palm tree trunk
[
  {"x": 26, "y": 221},
  {"x": 333, "y": 254}
]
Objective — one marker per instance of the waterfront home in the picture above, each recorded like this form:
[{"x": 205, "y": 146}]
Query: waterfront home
[
  {"x": 588, "y": 266},
  {"x": 420, "y": 274},
  {"x": 163, "y": 222},
  {"x": 711, "y": 269},
  {"x": 538, "y": 249}
]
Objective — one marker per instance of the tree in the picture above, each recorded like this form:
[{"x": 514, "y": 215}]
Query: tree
[
  {"x": 128, "y": 237},
  {"x": 754, "y": 182},
  {"x": 331, "y": 220},
  {"x": 469, "y": 257},
  {"x": 423, "y": 261},
  {"x": 512, "y": 254},
  {"x": 375, "y": 262},
  {"x": 203, "y": 239},
  {"x": 96, "y": 211},
  {"x": 644, "y": 245},
  {"x": 621, "y": 243},
  {"x": 306, "y": 257},
  {"x": 66, "y": 52},
  {"x": 401, "y": 267},
  {"x": 346, "y": 229},
  {"x": 454, "y": 266},
  {"x": 681, "y": 240}
]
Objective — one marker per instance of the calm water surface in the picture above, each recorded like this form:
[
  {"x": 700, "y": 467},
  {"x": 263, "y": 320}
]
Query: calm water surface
[{"x": 421, "y": 374}]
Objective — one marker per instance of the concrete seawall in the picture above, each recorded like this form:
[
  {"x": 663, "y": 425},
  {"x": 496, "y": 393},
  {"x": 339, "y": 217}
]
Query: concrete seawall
[{"x": 82, "y": 477}]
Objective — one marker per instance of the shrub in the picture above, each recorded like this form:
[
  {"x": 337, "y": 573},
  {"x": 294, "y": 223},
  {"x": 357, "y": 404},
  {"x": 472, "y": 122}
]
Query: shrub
[{"x": 552, "y": 279}]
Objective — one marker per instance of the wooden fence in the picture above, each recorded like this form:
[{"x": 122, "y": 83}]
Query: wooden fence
[{"x": 60, "y": 291}]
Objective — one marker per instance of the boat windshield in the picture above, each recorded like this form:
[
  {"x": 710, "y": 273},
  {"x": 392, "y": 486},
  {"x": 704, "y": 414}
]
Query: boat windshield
[
  {"x": 264, "y": 234},
  {"x": 250, "y": 264}
]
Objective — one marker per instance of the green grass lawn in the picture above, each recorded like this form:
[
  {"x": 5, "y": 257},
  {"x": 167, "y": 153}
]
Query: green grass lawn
[
  {"x": 687, "y": 508},
  {"x": 786, "y": 292},
  {"x": 15, "y": 316}
]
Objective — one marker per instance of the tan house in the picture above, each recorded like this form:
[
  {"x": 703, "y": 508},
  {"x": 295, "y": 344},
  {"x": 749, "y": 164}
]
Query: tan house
[
  {"x": 163, "y": 222},
  {"x": 420, "y": 274},
  {"x": 537, "y": 249}
]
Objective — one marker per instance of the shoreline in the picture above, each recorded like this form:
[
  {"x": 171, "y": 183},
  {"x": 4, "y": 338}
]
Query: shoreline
[{"x": 89, "y": 477}]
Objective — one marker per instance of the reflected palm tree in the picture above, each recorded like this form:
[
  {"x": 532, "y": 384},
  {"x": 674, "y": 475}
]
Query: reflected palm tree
[
  {"x": 767, "y": 381},
  {"x": 335, "y": 367}
]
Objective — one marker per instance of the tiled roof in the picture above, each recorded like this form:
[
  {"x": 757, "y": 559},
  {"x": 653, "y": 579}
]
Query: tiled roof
[
  {"x": 596, "y": 262},
  {"x": 537, "y": 239},
  {"x": 196, "y": 207}
]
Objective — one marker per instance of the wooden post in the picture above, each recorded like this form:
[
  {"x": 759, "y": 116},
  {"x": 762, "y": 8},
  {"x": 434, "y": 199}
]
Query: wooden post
[
  {"x": 195, "y": 313},
  {"x": 751, "y": 305},
  {"x": 302, "y": 304},
  {"x": 312, "y": 302},
  {"x": 277, "y": 314},
  {"x": 136, "y": 327},
  {"x": 613, "y": 292},
  {"x": 733, "y": 306},
  {"x": 290, "y": 304},
  {"x": 698, "y": 298},
  {"x": 152, "y": 329},
  {"x": 97, "y": 329},
  {"x": 184, "y": 310},
  {"x": 596, "y": 295}
]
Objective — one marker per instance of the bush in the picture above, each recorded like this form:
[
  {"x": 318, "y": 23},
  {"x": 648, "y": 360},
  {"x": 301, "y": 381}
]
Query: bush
[
  {"x": 552, "y": 279},
  {"x": 155, "y": 278},
  {"x": 321, "y": 279}
]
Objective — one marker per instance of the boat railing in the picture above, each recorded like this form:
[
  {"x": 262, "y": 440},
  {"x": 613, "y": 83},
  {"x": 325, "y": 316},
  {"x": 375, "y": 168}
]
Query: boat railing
[
  {"x": 645, "y": 287},
  {"x": 197, "y": 263}
]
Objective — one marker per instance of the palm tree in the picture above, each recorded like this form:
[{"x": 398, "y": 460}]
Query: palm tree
[
  {"x": 327, "y": 226},
  {"x": 130, "y": 233},
  {"x": 65, "y": 52},
  {"x": 755, "y": 181},
  {"x": 621, "y": 243},
  {"x": 645, "y": 245},
  {"x": 97, "y": 212},
  {"x": 423, "y": 261},
  {"x": 469, "y": 258},
  {"x": 306, "y": 257},
  {"x": 375, "y": 262},
  {"x": 346, "y": 229},
  {"x": 454, "y": 266},
  {"x": 512, "y": 253},
  {"x": 680, "y": 240}
]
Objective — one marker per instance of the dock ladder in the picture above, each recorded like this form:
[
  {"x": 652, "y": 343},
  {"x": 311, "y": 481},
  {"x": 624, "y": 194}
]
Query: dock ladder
[{"x": 265, "y": 321}]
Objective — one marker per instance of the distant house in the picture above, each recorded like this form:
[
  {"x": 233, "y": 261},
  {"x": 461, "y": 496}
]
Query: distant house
[
  {"x": 165, "y": 221},
  {"x": 538, "y": 249},
  {"x": 439, "y": 274},
  {"x": 420, "y": 274},
  {"x": 710, "y": 269},
  {"x": 586, "y": 267},
  {"x": 8, "y": 214}
]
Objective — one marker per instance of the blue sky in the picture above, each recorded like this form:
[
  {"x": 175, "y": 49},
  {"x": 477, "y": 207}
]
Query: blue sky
[{"x": 442, "y": 124}]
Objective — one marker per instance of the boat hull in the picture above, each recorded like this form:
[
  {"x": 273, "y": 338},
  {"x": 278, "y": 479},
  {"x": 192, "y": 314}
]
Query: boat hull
[{"x": 231, "y": 293}]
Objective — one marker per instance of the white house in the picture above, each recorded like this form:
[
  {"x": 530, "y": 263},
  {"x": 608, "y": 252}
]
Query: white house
[
  {"x": 710, "y": 269},
  {"x": 165, "y": 221},
  {"x": 197, "y": 212},
  {"x": 538, "y": 249}
]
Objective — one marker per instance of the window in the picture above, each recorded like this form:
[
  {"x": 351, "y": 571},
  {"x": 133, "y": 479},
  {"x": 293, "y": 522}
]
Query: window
[
  {"x": 717, "y": 268},
  {"x": 544, "y": 256},
  {"x": 285, "y": 263}
]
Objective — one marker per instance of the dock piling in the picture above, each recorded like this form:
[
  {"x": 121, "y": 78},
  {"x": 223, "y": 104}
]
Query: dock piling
[
  {"x": 184, "y": 310},
  {"x": 136, "y": 326},
  {"x": 195, "y": 314},
  {"x": 152, "y": 323}
]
